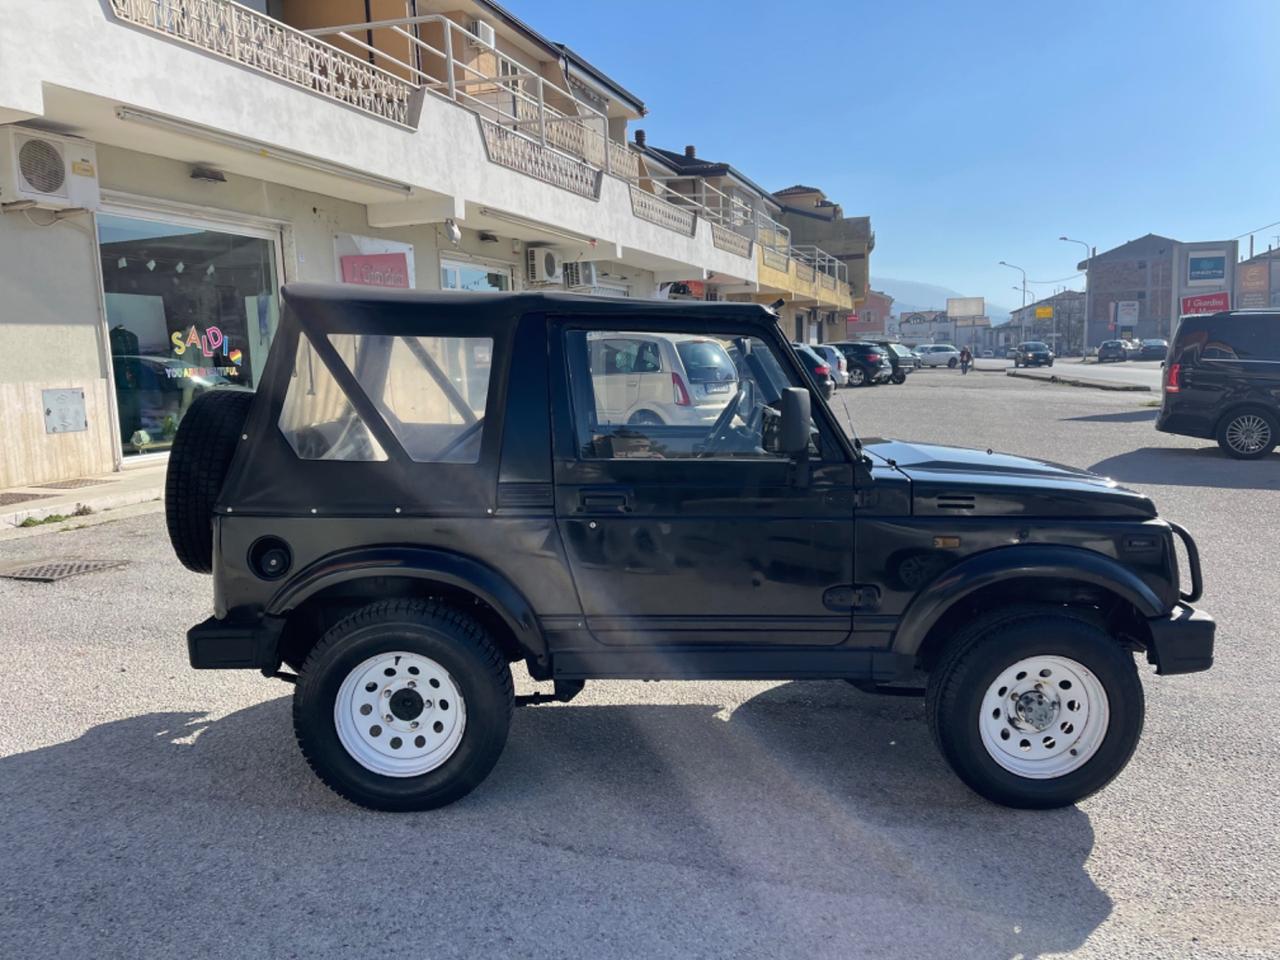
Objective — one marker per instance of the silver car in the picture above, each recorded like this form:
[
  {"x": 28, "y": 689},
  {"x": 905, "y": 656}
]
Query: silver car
[{"x": 938, "y": 355}]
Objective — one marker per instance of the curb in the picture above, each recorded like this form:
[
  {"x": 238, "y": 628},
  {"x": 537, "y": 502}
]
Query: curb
[
  {"x": 1077, "y": 382},
  {"x": 97, "y": 502}
]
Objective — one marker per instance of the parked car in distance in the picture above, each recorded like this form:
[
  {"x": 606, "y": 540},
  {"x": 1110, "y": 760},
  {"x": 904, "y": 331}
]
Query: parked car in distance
[
  {"x": 988, "y": 354},
  {"x": 654, "y": 378},
  {"x": 1132, "y": 349},
  {"x": 818, "y": 368},
  {"x": 869, "y": 363},
  {"x": 390, "y": 536},
  {"x": 901, "y": 358},
  {"x": 938, "y": 355},
  {"x": 1033, "y": 353},
  {"x": 1222, "y": 382},
  {"x": 1154, "y": 349},
  {"x": 1113, "y": 350},
  {"x": 839, "y": 365}
]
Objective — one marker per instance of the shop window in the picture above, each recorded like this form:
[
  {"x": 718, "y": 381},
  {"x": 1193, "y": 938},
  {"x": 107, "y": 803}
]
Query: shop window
[
  {"x": 432, "y": 391},
  {"x": 189, "y": 310},
  {"x": 317, "y": 418},
  {"x": 474, "y": 277}
]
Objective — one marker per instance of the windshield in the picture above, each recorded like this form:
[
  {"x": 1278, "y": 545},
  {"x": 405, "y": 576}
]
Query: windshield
[
  {"x": 1035, "y": 345},
  {"x": 705, "y": 361}
]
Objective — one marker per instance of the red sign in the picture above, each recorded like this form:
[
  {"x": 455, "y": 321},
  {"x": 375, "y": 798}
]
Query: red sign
[
  {"x": 1206, "y": 303},
  {"x": 376, "y": 270}
]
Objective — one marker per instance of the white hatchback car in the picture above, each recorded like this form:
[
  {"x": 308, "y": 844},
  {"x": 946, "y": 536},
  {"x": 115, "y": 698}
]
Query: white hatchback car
[
  {"x": 938, "y": 355},
  {"x": 651, "y": 378}
]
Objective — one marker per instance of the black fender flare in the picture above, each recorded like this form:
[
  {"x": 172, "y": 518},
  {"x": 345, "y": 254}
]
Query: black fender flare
[
  {"x": 420, "y": 563},
  {"x": 1032, "y": 561}
]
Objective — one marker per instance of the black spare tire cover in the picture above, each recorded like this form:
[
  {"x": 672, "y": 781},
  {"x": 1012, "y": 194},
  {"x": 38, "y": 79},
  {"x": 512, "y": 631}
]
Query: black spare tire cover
[{"x": 198, "y": 464}]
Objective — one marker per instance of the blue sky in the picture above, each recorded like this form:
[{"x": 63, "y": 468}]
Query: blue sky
[{"x": 969, "y": 132}]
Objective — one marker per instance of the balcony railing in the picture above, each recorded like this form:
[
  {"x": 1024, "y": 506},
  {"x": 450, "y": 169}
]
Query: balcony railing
[
  {"x": 508, "y": 148},
  {"x": 648, "y": 206},
  {"x": 500, "y": 89},
  {"x": 730, "y": 241},
  {"x": 271, "y": 47}
]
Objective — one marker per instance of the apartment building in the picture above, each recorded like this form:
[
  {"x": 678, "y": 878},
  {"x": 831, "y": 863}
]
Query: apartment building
[
  {"x": 1141, "y": 288},
  {"x": 166, "y": 164},
  {"x": 816, "y": 221},
  {"x": 1057, "y": 320}
]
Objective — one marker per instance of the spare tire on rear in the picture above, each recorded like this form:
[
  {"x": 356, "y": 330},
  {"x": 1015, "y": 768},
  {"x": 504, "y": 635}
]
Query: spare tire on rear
[{"x": 198, "y": 464}]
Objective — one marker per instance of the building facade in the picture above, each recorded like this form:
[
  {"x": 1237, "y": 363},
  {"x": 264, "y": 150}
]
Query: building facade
[
  {"x": 1141, "y": 288},
  {"x": 162, "y": 174},
  {"x": 1057, "y": 320}
]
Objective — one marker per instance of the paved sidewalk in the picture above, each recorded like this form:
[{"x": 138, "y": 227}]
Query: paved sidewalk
[{"x": 82, "y": 497}]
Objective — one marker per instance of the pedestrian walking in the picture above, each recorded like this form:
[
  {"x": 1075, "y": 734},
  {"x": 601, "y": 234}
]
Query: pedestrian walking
[{"x": 966, "y": 358}]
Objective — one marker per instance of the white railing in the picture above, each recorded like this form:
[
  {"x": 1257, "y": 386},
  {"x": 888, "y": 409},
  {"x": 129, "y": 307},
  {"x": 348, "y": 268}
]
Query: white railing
[
  {"x": 510, "y": 149},
  {"x": 649, "y": 206},
  {"x": 498, "y": 88},
  {"x": 729, "y": 240},
  {"x": 261, "y": 43}
]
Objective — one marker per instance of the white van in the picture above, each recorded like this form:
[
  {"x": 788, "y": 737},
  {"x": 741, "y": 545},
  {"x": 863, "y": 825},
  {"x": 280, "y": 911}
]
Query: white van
[{"x": 653, "y": 378}]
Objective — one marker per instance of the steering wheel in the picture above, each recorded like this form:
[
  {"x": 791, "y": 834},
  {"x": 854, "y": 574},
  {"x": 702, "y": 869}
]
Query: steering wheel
[{"x": 720, "y": 429}]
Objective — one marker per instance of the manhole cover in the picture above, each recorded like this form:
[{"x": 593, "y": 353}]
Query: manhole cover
[
  {"x": 71, "y": 484},
  {"x": 9, "y": 499},
  {"x": 47, "y": 571}
]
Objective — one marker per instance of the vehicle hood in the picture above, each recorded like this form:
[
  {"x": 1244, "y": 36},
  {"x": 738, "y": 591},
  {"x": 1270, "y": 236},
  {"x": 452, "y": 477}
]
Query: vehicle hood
[{"x": 955, "y": 481}]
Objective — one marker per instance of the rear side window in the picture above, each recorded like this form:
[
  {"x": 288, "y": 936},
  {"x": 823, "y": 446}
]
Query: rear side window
[
  {"x": 317, "y": 418},
  {"x": 619, "y": 356},
  {"x": 1239, "y": 338},
  {"x": 432, "y": 391}
]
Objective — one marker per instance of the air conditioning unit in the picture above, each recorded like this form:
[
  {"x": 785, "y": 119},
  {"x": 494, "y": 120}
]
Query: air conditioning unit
[
  {"x": 581, "y": 273},
  {"x": 58, "y": 173},
  {"x": 543, "y": 265},
  {"x": 482, "y": 30}
]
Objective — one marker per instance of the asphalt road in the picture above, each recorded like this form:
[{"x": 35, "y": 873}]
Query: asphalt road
[{"x": 147, "y": 810}]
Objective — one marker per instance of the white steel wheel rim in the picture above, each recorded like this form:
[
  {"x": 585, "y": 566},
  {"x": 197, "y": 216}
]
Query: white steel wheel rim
[
  {"x": 1248, "y": 433},
  {"x": 1044, "y": 717},
  {"x": 399, "y": 714}
]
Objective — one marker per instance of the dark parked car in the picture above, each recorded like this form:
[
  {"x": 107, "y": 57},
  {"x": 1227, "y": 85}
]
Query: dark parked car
[
  {"x": 1033, "y": 353},
  {"x": 1153, "y": 350},
  {"x": 818, "y": 368},
  {"x": 869, "y": 363},
  {"x": 1222, "y": 382},
  {"x": 428, "y": 488},
  {"x": 1113, "y": 350},
  {"x": 901, "y": 358}
]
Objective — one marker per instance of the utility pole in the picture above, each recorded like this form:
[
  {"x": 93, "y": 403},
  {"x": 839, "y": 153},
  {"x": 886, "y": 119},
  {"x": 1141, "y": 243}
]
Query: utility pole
[
  {"x": 1088, "y": 261},
  {"x": 1014, "y": 266}
]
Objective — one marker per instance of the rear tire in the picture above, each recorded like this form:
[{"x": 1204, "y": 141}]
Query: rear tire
[
  {"x": 952, "y": 363},
  {"x": 394, "y": 737},
  {"x": 857, "y": 377},
  {"x": 1248, "y": 434},
  {"x": 1065, "y": 736},
  {"x": 198, "y": 463},
  {"x": 645, "y": 418},
  {"x": 899, "y": 378}
]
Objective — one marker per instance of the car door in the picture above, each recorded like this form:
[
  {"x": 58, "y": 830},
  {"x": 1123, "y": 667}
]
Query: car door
[{"x": 676, "y": 538}]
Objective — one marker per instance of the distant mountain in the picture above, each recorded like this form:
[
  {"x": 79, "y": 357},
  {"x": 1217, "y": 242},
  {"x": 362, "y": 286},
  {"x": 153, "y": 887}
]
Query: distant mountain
[{"x": 911, "y": 295}]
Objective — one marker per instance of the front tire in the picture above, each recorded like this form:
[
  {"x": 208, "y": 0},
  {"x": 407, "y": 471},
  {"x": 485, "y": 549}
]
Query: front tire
[
  {"x": 1248, "y": 434},
  {"x": 403, "y": 705},
  {"x": 899, "y": 378},
  {"x": 1035, "y": 708},
  {"x": 952, "y": 363}
]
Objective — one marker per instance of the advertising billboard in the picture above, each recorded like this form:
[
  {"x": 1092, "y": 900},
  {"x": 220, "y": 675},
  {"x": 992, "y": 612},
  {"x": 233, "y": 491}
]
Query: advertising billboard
[
  {"x": 1208, "y": 266},
  {"x": 1253, "y": 284},
  {"x": 966, "y": 306},
  {"x": 1206, "y": 303}
]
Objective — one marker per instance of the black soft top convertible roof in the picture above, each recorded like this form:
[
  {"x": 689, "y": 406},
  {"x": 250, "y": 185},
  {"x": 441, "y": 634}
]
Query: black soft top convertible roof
[{"x": 326, "y": 298}]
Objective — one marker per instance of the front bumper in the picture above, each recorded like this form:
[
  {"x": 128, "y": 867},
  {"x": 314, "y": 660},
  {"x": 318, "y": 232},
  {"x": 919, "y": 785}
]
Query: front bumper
[
  {"x": 1181, "y": 641},
  {"x": 235, "y": 645}
]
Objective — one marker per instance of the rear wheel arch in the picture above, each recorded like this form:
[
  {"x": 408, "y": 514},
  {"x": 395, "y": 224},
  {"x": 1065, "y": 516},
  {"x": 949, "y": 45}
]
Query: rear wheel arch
[{"x": 336, "y": 586}]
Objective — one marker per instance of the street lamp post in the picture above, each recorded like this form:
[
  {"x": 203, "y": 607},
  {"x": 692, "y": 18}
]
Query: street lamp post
[
  {"x": 1014, "y": 266},
  {"x": 1088, "y": 256}
]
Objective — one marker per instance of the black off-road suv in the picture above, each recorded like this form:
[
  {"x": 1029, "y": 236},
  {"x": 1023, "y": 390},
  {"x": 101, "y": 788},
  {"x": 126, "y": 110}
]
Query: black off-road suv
[{"x": 428, "y": 488}]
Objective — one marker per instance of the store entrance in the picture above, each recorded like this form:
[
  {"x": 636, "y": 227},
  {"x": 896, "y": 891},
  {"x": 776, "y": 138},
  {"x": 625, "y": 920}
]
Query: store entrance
[{"x": 189, "y": 309}]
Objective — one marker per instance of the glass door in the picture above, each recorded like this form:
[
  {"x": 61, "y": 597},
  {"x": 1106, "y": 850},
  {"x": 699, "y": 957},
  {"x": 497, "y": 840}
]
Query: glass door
[{"x": 190, "y": 308}]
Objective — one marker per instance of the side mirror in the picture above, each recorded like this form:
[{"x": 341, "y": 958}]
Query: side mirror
[{"x": 794, "y": 432}]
